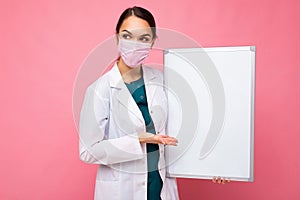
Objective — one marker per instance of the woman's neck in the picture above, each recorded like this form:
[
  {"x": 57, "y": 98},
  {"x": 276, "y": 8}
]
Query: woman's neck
[{"x": 128, "y": 74}]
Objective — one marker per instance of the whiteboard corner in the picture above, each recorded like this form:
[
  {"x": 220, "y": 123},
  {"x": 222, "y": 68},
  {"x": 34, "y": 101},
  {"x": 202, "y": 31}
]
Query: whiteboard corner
[{"x": 253, "y": 48}]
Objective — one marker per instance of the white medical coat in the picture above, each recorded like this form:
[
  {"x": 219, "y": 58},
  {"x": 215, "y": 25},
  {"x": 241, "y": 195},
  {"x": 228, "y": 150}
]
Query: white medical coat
[{"x": 109, "y": 123}]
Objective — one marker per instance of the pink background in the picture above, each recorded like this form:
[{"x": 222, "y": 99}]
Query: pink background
[{"x": 43, "y": 44}]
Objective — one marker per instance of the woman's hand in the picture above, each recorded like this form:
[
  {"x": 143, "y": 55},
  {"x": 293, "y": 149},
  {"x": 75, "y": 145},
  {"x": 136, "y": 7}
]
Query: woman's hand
[
  {"x": 220, "y": 180},
  {"x": 157, "y": 139}
]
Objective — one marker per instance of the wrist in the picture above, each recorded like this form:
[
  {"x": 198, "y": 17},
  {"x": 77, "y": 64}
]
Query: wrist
[
  {"x": 144, "y": 137},
  {"x": 142, "y": 140}
]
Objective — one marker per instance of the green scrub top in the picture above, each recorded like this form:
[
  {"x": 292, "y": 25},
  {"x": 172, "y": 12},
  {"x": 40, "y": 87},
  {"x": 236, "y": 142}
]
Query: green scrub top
[{"x": 154, "y": 185}]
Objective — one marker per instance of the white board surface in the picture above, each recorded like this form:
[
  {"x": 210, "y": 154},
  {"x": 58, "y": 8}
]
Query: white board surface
[{"x": 211, "y": 112}]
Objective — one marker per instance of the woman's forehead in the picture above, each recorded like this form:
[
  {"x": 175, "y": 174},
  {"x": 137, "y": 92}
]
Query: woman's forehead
[{"x": 136, "y": 26}]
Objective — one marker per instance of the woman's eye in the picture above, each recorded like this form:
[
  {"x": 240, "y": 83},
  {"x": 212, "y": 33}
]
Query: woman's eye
[
  {"x": 145, "y": 39},
  {"x": 126, "y": 36}
]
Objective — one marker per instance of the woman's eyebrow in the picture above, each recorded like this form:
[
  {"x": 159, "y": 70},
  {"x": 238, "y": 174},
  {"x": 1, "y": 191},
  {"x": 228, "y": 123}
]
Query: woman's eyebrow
[
  {"x": 143, "y": 35},
  {"x": 147, "y": 34},
  {"x": 127, "y": 32}
]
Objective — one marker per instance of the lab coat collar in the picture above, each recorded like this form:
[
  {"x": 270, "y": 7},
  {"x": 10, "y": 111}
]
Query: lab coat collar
[
  {"x": 123, "y": 95},
  {"x": 116, "y": 80}
]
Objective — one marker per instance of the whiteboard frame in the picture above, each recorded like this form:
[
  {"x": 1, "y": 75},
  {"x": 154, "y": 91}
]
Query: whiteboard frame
[{"x": 252, "y": 100}]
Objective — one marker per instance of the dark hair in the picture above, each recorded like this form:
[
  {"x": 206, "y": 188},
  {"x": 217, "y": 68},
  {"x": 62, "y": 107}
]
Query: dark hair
[{"x": 138, "y": 12}]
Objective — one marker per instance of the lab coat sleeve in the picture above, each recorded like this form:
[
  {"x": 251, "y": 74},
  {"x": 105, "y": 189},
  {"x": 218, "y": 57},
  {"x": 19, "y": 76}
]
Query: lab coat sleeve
[{"x": 94, "y": 145}]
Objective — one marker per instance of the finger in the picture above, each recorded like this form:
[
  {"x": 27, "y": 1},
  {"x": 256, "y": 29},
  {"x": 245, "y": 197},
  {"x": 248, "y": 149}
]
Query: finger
[
  {"x": 166, "y": 136},
  {"x": 222, "y": 180},
  {"x": 170, "y": 142},
  {"x": 171, "y": 139},
  {"x": 219, "y": 180},
  {"x": 214, "y": 180}
]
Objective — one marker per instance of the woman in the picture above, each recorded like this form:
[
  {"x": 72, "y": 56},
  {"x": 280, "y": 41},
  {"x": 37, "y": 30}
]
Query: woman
[{"x": 123, "y": 118}]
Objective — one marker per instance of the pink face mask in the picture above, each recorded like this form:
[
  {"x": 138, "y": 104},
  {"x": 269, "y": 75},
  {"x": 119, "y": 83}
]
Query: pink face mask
[{"x": 133, "y": 52}]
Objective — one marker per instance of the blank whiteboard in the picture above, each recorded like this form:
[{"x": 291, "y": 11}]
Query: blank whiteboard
[{"x": 211, "y": 112}]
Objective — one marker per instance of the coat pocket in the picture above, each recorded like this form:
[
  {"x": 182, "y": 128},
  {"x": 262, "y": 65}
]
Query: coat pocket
[
  {"x": 107, "y": 190},
  {"x": 108, "y": 173}
]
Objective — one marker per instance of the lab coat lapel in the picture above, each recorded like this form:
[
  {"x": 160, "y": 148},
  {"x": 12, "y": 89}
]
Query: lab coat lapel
[
  {"x": 150, "y": 85},
  {"x": 122, "y": 93}
]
